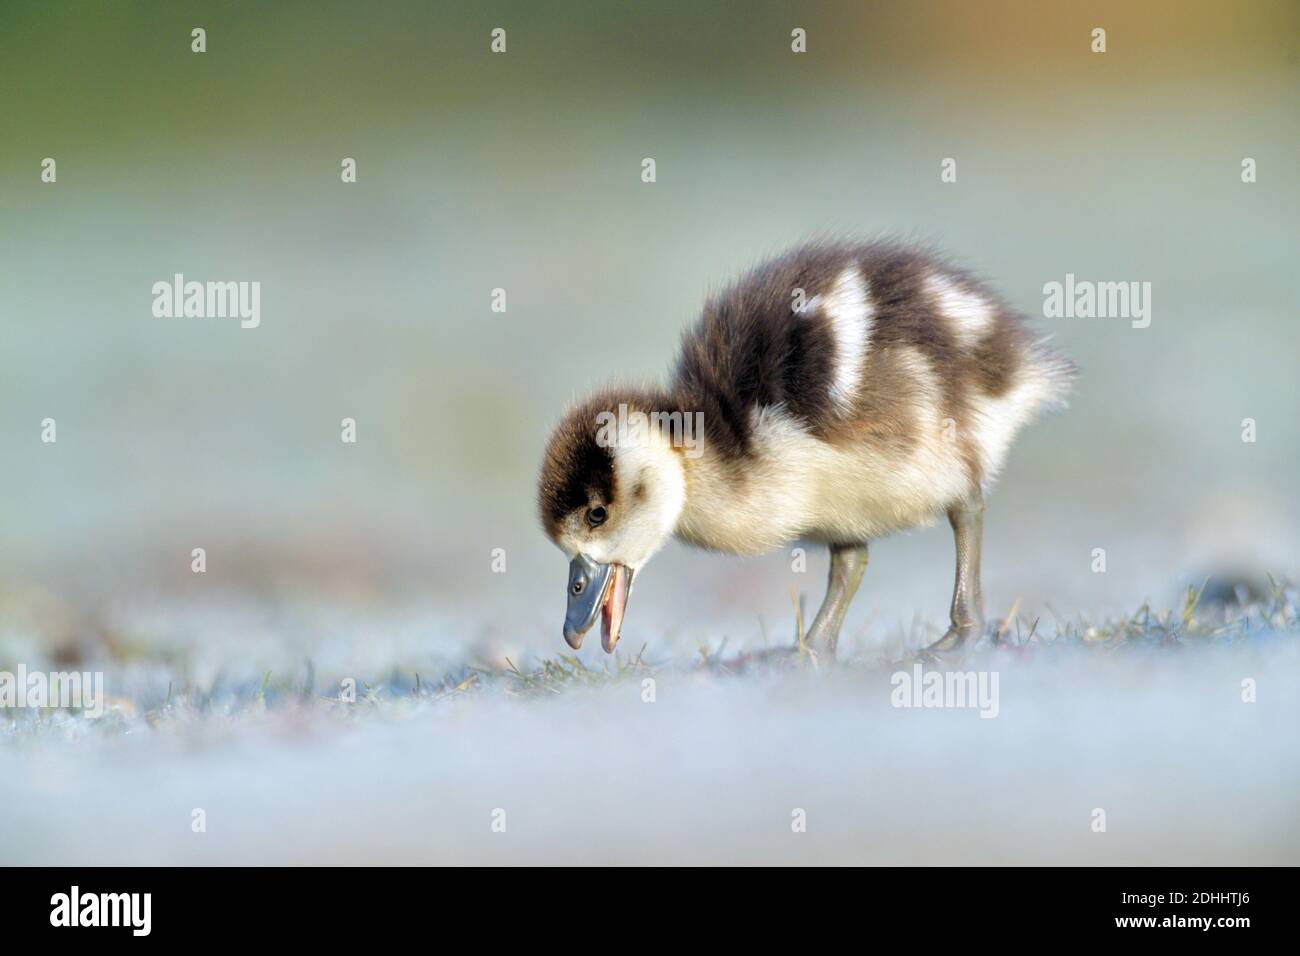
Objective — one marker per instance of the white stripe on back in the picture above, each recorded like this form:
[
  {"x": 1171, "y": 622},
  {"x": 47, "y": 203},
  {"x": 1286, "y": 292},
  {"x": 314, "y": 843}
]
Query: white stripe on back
[
  {"x": 969, "y": 315},
  {"x": 848, "y": 307}
]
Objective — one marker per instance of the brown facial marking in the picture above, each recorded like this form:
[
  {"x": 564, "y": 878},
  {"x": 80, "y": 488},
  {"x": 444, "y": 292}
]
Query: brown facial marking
[{"x": 577, "y": 470}]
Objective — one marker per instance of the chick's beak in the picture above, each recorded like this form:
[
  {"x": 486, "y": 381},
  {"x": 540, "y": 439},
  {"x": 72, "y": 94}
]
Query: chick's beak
[
  {"x": 596, "y": 588},
  {"x": 611, "y": 614}
]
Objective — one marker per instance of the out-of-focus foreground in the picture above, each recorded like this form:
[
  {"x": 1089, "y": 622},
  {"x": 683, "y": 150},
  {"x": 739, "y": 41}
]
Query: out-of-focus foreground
[{"x": 1159, "y": 738}]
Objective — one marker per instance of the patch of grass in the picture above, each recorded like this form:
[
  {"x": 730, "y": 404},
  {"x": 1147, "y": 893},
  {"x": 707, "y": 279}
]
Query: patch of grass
[{"x": 411, "y": 695}]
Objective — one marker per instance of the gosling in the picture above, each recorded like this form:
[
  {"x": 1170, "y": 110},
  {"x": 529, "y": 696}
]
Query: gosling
[{"x": 842, "y": 392}]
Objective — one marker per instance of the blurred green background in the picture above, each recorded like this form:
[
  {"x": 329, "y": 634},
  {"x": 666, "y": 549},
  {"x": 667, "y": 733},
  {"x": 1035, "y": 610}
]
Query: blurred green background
[{"x": 522, "y": 171}]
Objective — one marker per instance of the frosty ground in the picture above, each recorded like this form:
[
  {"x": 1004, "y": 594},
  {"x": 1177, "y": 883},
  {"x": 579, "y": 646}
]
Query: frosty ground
[{"x": 459, "y": 753}]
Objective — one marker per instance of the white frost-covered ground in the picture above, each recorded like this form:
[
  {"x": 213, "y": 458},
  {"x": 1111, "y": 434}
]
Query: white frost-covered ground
[{"x": 1155, "y": 734}]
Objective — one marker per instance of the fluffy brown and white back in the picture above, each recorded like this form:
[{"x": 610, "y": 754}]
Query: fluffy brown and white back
[{"x": 892, "y": 393}]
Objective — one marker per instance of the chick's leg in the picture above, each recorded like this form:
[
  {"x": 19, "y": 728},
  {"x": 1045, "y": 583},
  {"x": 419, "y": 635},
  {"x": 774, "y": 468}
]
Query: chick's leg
[
  {"x": 967, "y": 617},
  {"x": 848, "y": 561}
]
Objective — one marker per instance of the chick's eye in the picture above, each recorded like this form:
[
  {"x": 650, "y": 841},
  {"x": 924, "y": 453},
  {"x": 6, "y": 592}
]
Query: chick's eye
[{"x": 596, "y": 516}]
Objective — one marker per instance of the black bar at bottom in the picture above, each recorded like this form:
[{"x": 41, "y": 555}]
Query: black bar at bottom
[{"x": 330, "y": 905}]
